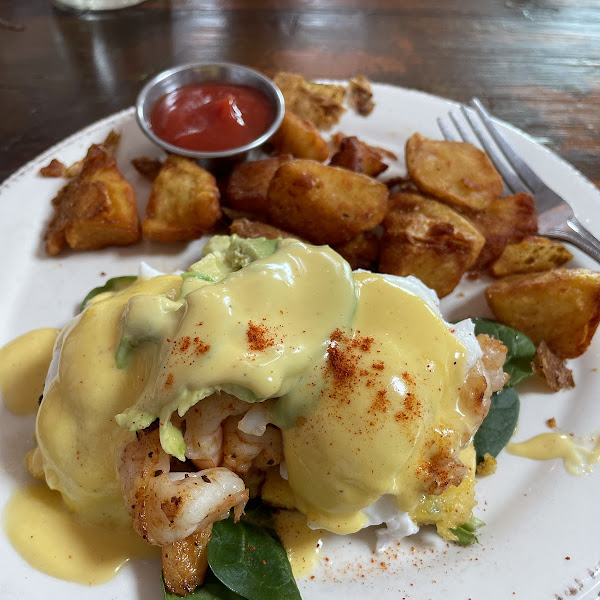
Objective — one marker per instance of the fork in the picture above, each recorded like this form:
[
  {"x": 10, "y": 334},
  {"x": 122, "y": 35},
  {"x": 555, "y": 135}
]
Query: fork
[{"x": 556, "y": 218}]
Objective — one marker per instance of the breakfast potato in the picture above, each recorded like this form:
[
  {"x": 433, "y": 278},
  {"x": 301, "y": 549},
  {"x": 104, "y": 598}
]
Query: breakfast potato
[
  {"x": 319, "y": 103},
  {"x": 427, "y": 239},
  {"x": 184, "y": 202},
  {"x": 248, "y": 183},
  {"x": 531, "y": 255},
  {"x": 561, "y": 307},
  {"x": 323, "y": 204},
  {"x": 456, "y": 173},
  {"x": 361, "y": 95},
  {"x": 94, "y": 210},
  {"x": 247, "y": 228},
  {"x": 300, "y": 138},
  {"x": 506, "y": 220},
  {"x": 359, "y": 157},
  {"x": 361, "y": 251}
]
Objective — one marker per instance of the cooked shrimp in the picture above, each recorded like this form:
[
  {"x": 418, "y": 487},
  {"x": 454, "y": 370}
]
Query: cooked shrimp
[
  {"x": 241, "y": 449},
  {"x": 203, "y": 433},
  {"x": 167, "y": 507}
]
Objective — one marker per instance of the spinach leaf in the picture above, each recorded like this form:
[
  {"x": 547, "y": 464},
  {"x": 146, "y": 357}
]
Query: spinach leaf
[
  {"x": 520, "y": 348},
  {"x": 116, "y": 284},
  {"x": 249, "y": 561},
  {"x": 466, "y": 533},
  {"x": 499, "y": 425},
  {"x": 211, "y": 589}
]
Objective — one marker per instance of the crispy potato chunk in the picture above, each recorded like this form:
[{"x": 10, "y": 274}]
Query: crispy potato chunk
[
  {"x": 357, "y": 156},
  {"x": 247, "y": 228},
  {"x": 561, "y": 307},
  {"x": 361, "y": 95},
  {"x": 94, "y": 210},
  {"x": 248, "y": 183},
  {"x": 506, "y": 220},
  {"x": 53, "y": 169},
  {"x": 531, "y": 255},
  {"x": 184, "y": 562},
  {"x": 323, "y": 204},
  {"x": 319, "y": 103},
  {"x": 456, "y": 173},
  {"x": 427, "y": 239},
  {"x": 184, "y": 202},
  {"x": 361, "y": 251},
  {"x": 300, "y": 138}
]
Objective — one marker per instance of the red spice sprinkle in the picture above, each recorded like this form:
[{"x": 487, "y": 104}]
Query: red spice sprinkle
[
  {"x": 169, "y": 381},
  {"x": 259, "y": 337},
  {"x": 200, "y": 346}
]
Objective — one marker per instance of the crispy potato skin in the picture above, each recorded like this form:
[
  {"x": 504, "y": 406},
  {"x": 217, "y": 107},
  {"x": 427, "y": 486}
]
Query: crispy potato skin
[
  {"x": 561, "y": 307},
  {"x": 506, "y": 220},
  {"x": 456, "y": 173},
  {"x": 94, "y": 210},
  {"x": 300, "y": 138},
  {"x": 427, "y": 239},
  {"x": 247, "y": 228},
  {"x": 357, "y": 156},
  {"x": 184, "y": 202},
  {"x": 323, "y": 204},
  {"x": 531, "y": 255},
  {"x": 248, "y": 184}
]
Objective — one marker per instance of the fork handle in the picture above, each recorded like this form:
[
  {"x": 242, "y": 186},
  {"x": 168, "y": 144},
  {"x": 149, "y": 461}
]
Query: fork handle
[{"x": 575, "y": 233}]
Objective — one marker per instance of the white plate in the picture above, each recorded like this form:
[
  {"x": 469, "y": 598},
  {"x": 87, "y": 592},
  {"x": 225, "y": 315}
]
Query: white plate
[{"x": 536, "y": 514}]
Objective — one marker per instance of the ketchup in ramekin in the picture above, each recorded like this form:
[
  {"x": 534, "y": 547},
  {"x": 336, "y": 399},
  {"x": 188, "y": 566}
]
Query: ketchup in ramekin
[{"x": 212, "y": 116}]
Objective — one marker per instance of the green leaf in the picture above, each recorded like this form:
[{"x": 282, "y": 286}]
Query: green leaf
[
  {"x": 249, "y": 561},
  {"x": 211, "y": 589},
  {"x": 466, "y": 532},
  {"x": 116, "y": 284},
  {"x": 520, "y": 348},
  {"x": 499, "y": 425}
]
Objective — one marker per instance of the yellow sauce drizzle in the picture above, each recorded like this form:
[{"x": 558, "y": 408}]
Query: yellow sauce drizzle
[
  {"x": 579, "y": 454},
  {"x": 24, "y": 363},
  {"x": 301, "y": 543},
  {"x": 53, "y": 540}
]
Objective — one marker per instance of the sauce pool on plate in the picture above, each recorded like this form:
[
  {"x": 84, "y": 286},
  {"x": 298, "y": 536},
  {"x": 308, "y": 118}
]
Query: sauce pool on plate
[{"x": 211, "y": 116}]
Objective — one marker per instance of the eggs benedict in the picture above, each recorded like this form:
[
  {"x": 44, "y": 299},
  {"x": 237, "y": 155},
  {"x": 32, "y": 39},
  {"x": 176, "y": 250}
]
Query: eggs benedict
[{"x": 269, "y": 366}]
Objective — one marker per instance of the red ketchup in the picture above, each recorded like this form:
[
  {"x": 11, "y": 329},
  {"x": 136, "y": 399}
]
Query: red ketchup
[{"x": 212, "y": 116}]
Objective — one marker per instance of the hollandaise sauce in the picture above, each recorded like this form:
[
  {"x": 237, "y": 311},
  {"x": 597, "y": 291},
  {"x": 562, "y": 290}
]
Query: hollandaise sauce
[
  {"x": 579, "y": 454},
  {"x": 55, "y": 541},
  {"x": 24, "y": 363}
]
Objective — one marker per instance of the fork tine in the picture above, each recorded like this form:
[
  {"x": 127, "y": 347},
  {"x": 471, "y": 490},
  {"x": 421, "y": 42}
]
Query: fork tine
[
  {"x": 466, "y": 135},
  {"x": 448, "y": 135},
  {"x": 520, "y": 166},
  {"x": 511, "y": 179}
]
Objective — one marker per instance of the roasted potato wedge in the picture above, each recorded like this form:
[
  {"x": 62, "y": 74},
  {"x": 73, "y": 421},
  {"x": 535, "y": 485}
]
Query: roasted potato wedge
[
  {"x": 357, "y": 156},
  {"x": 323, "y": 204},
  {"x": 531, "y": 255},
  {"x": 506, "y": 220},
  {"x": 94, "y": 210},
  {"x": 361, "y": 251},
  {"x": 457, "y": 173},
  {"x": 184, "y": 202},
  {"x": 300, "y": 138},
  {"x": 248, "y": 183},
  {"x": 561, "y": 307},
  {"x": 319, "y": 103},
  {"x": 427, "y": 239},
  {"x": 361, "y": 95},
  {"x": 247, "y": 228}
]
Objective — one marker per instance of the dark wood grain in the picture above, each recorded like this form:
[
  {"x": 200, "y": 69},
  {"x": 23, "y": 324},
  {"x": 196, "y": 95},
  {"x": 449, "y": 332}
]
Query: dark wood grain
[{"x": 535, "y": 62}]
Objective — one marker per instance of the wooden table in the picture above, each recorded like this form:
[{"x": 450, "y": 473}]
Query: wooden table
[{"x": 536, "y": 64}]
